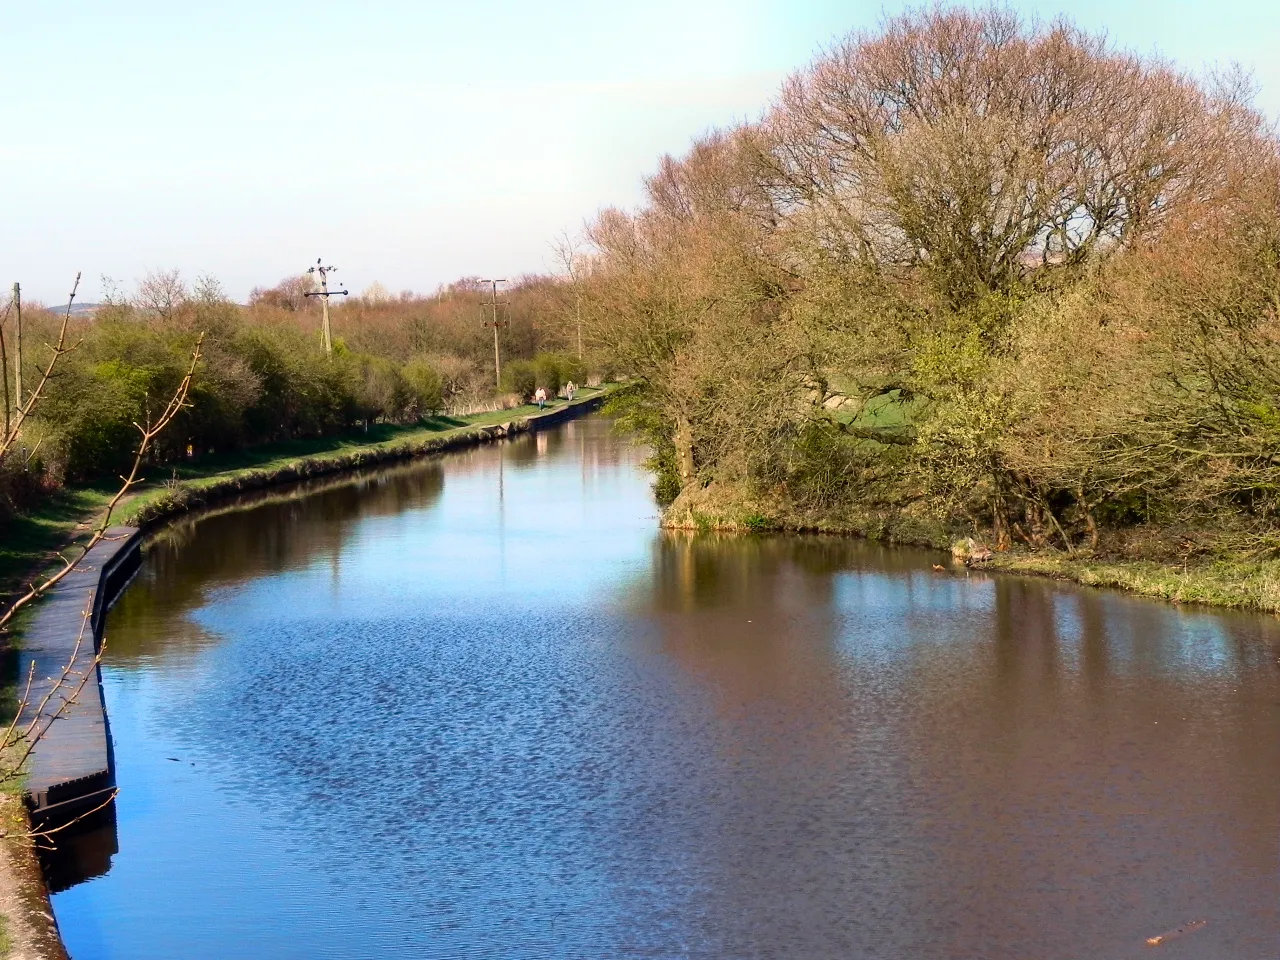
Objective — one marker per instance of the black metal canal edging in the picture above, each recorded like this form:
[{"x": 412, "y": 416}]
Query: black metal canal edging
[{"x": 71, "y": 769}]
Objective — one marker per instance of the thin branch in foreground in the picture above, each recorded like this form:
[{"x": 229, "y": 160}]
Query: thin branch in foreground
[{"x": 148, "y": 434}]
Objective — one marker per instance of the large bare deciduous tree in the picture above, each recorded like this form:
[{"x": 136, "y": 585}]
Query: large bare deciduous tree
[{"x": 970, "y": 264}]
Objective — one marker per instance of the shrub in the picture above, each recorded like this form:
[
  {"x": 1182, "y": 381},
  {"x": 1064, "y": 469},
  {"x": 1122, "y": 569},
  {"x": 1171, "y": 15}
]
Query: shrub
[
  {"x": 426, "y": 387},
  {"x": 520, "y": 377},
  {"x": 549, "y": 372}
]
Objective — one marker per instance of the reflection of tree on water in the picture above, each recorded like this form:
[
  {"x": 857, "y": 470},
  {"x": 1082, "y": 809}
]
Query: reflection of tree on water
[
  {"x": 696, "y": 570},
  {"x": 753, "y": 616},
  {"x": 306, "y": 522},
  {"x": 1032, "y": 739}
]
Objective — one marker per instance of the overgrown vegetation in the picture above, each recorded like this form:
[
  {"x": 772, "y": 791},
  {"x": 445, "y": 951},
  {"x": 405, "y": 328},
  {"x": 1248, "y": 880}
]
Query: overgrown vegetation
[
  {"x": 968, "y": 275},
  {"x": 263, "y": 376}
]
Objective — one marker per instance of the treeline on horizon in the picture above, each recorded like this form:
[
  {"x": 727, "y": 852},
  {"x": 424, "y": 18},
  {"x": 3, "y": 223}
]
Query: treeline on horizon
[
  {"x": 967, "y": 273},
  {"x": 263, "y": 375}
]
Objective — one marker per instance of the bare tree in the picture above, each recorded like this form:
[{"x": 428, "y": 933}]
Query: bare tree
[
  {"x": 975, "y": 145},
  {"x": 571, "y": 258},
  {"x": 161, "y": 293},
  {"x": 1051, "y": 261}
]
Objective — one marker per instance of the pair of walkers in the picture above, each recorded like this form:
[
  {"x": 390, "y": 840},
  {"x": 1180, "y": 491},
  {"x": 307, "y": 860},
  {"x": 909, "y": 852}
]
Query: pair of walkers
[{"x": 540, "y": 395}]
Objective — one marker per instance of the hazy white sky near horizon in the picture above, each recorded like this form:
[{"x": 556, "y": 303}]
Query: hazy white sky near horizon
[{"x": 410, "y": 143}]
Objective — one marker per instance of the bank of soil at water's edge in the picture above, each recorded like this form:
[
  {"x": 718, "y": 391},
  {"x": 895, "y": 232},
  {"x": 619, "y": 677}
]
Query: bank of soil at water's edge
[
  {"x": 28, "y": 930},
  {"x": 1240, "y": 584}
]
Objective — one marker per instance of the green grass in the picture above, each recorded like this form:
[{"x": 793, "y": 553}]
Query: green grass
[
  {"x": 221, "y": 470},
  {"x": 884, "y": 412},
  {"x": 1245, "y": 585},
  {"x": 28, "y": 542},
  {"x": 377, "y": 436}
]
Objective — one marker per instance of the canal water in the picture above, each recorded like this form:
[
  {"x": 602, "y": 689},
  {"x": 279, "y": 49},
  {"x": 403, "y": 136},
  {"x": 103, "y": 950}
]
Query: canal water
[{"x": 481, "y": 707}]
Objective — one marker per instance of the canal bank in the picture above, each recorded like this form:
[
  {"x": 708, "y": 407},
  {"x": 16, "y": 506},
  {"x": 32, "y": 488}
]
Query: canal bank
[
  {"x": 69, "y": 774},
  {"x": 1239, "y": 583},
  {"x": 158, "y": 505},
  {"x": 71, "y": 770}
]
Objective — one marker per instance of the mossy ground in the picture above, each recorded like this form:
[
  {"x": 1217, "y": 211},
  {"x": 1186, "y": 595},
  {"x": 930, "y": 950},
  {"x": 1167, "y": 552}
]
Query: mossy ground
[{"x": 1243, "y": 585}]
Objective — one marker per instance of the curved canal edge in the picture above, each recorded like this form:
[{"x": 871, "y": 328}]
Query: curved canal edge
[
  {"x": 189, "y": 496},
  {"x": 71, "y": 770},
  {"x": 1220, "y": 584}
]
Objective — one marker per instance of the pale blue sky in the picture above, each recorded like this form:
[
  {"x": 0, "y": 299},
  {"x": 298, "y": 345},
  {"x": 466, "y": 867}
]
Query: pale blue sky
[{"x": 409, "y": 142}]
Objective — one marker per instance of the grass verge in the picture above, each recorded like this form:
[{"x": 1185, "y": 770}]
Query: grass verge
[{"x": 1252, "y": 585}]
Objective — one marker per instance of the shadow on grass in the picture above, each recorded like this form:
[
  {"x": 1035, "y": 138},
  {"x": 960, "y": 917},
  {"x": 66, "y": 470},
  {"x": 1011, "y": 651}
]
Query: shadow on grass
[{"x": 28, "y": 541}]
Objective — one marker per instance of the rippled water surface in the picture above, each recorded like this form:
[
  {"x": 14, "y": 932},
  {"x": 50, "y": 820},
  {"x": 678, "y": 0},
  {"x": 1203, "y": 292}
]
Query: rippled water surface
[{"x": 481, "y": 707}]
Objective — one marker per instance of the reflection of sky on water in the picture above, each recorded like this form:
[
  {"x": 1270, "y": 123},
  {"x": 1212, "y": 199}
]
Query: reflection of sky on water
[
  {"x": 1142, "y": 638},
  {"x": 898, "y": 614},
  {"x": 459, "y": 552}
]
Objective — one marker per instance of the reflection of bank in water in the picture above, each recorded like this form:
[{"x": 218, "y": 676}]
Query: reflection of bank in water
[{"x": 81, "y": 852}]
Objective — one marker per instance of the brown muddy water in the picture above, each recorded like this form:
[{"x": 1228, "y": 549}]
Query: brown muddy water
[{"x": 482, "y": 707}]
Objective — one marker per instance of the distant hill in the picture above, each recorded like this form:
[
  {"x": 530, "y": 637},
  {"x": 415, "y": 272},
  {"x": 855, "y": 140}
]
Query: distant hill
[{"x": 78, "y": 309}]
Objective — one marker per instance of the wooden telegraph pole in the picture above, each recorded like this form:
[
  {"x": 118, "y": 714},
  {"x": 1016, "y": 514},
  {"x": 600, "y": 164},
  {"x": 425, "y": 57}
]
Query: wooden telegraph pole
[
  {"x": 494, "y": 302},
  {"x": 4, "y": 372},
  {"x": 17, "y": 345},
  {"x": 324, "y": 293}
]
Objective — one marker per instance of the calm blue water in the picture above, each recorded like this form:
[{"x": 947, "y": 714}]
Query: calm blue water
[{"x": 482, "y": 707}]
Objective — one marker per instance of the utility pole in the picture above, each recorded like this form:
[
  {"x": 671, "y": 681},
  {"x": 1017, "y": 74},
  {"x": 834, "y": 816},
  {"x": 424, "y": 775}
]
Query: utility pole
[
  {"x": 495, "y": 323},
  {"x": 324, "y": 293},
  {"x": 578, "y": 303},
  {"x": 17, "y": 345},
  {"x": 4, "y": 373}
]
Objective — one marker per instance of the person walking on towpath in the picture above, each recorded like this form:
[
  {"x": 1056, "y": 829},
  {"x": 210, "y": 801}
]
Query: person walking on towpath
[
  {"x": 570, "y": 389},
  {"x": 540, "y": 395}
]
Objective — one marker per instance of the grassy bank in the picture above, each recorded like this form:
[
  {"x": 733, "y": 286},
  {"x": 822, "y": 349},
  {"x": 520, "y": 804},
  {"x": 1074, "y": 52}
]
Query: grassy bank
[
  {"x": 1220, "y": 582},
  {"x": 30, "y": 541},
  {"x": 1243, "y": 585}
]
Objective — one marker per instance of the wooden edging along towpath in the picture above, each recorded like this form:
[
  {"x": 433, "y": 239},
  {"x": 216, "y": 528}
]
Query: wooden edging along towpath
[{"x": 71, "y": 768}]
